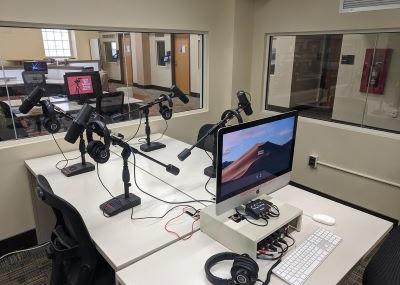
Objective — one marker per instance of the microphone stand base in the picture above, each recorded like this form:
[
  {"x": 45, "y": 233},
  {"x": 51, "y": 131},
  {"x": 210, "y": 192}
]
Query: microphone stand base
[
  {"x": 119, "y": 204},
  {"x": 152, "y": 146},
  {"x": 77, "y": 169},
  {"x": 210, "y": 171}
]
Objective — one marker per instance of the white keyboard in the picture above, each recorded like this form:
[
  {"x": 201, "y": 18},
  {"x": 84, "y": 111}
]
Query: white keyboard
[{"x": 302, "y": 261}]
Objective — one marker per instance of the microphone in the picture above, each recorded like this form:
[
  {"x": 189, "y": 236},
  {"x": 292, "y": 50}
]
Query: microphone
[
  {"x": 178, "y": 93},
  {"x": 79, "y": 124},
  {"x": 32, "y": 100},
  {"x": 244, "y": 103},
  {"x": 172, "y": 169},
  {"x": 184, "y": 154}
]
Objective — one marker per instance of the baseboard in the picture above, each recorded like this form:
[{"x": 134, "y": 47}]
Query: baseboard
[
  {"x": 151, "y": 86},
  {"x": 195, "y": 94},
  {"x": 18, "y": 242},
  {"x": 348, "y": 204}
]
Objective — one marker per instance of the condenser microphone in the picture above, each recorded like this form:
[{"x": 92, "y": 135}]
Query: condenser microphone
[
  {"x": 79, "y": 124},
  {"x": 244, "y": 103},
  {"x": 178, "y": 93},
  {"x": 32, "y": 100}
]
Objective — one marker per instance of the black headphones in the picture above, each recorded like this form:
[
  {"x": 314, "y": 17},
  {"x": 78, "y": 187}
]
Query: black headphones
[
  {"x": 244, "y": 270},
  {"x": 234, "y": 113},
  {"x": 51, "y": 123},
  {"x": 99, "y": 151},
  {"x": 166, "y": 111}
]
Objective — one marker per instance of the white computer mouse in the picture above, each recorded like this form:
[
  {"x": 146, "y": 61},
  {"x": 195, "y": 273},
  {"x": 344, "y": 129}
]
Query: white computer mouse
[{"x": 324, "y": 219}]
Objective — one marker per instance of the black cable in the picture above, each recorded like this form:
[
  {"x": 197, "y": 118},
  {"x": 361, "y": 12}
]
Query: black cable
[
  {"x": 208, "y": 191},
  {"x": 101, "y": 181},
  {"x": 209, "y": 155},
  {"x": 268, "y": 279},
  {"x": 159, "y": 199},
  {"x": 166, "y": 213},
  {"x": 245, "y": 217},
  {"x": 143, "y": 140},
  {"x": 63, "y": 154},
  {"x": 137, "y": 130}
]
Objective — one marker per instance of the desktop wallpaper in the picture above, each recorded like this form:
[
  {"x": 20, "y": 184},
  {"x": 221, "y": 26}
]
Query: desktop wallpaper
[{"x": 257, "y": 153}]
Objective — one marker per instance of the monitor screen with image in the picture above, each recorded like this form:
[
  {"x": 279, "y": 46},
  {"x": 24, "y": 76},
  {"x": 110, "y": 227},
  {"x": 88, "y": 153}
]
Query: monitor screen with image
[
  {"x": 82, "y": 85},
  {"x": 254, "y": 156}
]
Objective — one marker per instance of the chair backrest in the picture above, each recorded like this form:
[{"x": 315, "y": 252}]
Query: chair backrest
[
  {"x": 71, "y": 224},
  {"x": 5, "y": 109},
  {"x": 384, "y": 267},
  {"x": 209, "y": 144},
  {"x": 32, "y": 79},
  {"x": 110, "y": 103}
]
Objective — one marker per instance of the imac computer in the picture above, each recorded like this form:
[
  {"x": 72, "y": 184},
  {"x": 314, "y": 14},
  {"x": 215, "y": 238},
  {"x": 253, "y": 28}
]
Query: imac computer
[
  {"x": 254, "y": 158},
  {"x": 83, "y": 87},
  {"x": 36, "y": 66}
]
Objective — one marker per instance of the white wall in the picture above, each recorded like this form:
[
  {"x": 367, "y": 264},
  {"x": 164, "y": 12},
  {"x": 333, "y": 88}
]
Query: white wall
[
  {"x": 174, "y": 15},
  {"x": 113, "y": 68},
  {"x": 371, "y": 152},
  {"x": 160, "y": 75}
]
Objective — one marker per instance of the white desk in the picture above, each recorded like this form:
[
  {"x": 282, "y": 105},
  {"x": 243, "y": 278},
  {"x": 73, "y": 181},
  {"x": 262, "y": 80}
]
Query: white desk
[
  {"x": 183, "y": 262},
  {"x": 119, "y": 239},
  {"x": 18, "y": 82}
]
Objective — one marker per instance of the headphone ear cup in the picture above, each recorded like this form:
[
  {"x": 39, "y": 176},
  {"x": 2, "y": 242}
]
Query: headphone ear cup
[
  {"x": 244, "y": 270},
  {"x": 166, "y": 112},
  {"x": 52, "y": 125},
  {"x": 98, "y": 151}
]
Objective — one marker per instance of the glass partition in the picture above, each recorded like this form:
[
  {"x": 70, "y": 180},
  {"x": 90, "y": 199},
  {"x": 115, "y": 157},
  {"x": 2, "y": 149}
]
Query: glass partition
[
  {"x": 348, "y": 78},
  {"x": 133, "y": 68}
]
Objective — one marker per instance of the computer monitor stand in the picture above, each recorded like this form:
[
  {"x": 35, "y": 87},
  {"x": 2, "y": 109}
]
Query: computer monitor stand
[
  {"x": 149, "y": 145},
  {"x": 127, "y": 200},
  {"x": 82, "y": 167}
]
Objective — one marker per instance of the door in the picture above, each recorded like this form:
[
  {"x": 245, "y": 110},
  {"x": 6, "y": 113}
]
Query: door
[
  {"x": 126, "y": 60},
  {"x": 181, "y": 74}
]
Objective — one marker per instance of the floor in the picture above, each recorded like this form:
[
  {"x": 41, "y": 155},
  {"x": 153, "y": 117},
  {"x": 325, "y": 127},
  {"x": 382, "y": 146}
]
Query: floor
[{"x": 33, "y": 268}]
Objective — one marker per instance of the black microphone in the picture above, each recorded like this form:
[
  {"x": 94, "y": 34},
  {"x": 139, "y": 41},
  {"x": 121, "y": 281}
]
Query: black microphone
[
  {"x": 178, "y": 93},
  {"x": 79, "y": 124},
  {"x": 184, "y": 154},
  {"x": 244, "y": 103},
  {"x": 172, "y": 169},
  {"x": 32, "y": 100}
]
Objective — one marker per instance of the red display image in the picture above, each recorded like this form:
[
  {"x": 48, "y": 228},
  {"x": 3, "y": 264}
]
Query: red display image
[{"x": 78, "y": 85}]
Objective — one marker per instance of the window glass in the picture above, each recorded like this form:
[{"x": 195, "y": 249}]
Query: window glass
[
  {"x": 133, "y": 69},
  {"x": 348, "y": 78}
]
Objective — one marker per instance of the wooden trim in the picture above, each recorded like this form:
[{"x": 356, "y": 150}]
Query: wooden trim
[
  {"x": 18, "y": 242},
  {"x": 348, "y": 204},
  {"x": 195, "y": 94}
]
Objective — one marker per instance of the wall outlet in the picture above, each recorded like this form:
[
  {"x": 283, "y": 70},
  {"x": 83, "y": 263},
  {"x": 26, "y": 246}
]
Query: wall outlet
[{"x": 313, "y": 161}]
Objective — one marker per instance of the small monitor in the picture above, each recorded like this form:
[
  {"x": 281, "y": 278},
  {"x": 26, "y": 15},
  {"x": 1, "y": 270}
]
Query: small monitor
[
  {"x": 254, "y": 158},
  {"x": 81, "y": 86},
  {"x": 38, "y": 66}
]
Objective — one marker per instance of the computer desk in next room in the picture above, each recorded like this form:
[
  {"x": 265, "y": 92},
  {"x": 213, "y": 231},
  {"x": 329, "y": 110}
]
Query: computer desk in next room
[{"x": 144, "y": 253}]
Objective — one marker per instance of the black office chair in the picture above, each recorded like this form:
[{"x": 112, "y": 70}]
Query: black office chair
[
  {"x": 32, "y": 79},
  {"x": 384, "y": 267},
  {"x": 111, "y": 106},
  {"x": 209, "y": 144},
  {"x": 74, "y": 256},
  {"x": 6, "y": 127}
]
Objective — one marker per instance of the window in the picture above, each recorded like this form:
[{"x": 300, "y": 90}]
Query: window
[
  {"x": 57, "y": 43},
  {"x": 160, "y": 53},
  {"x": 141, "y": 65},
  {"x": 348, "y": 78}
]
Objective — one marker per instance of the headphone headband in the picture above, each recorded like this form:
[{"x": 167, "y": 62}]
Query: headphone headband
[{"x": 234, "y": 113}]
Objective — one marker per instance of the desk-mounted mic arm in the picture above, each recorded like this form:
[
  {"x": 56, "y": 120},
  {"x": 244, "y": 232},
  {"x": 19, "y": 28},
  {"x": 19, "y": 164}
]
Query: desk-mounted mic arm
[{"x": 229, "y": 115}]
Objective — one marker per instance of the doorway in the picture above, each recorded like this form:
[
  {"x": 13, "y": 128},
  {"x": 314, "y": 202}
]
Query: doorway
[
  {"x": 126, "y": 58},
  {"x": 181, "y": 66}
]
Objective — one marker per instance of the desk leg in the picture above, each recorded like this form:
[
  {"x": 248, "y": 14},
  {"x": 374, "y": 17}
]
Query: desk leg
[{"x": 44, "y": 216}]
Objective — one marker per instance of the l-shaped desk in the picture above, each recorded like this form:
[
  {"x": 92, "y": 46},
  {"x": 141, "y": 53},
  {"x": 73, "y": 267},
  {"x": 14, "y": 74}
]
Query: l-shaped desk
[{"x": 142, "y": 252}]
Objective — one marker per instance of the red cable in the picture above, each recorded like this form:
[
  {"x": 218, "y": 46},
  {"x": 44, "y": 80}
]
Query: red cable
[{"x": 175, "y": 233}]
